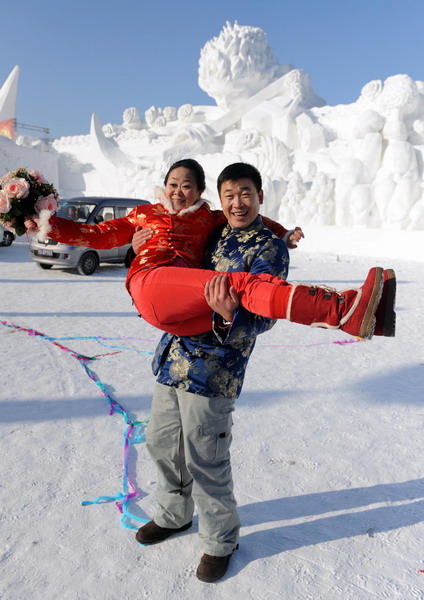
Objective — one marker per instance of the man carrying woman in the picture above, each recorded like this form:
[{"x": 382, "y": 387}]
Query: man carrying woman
[
  {"x": 200, "y": 377},
  {"x": 171, "y": 298},
  {"x": 189, "y": 434}
]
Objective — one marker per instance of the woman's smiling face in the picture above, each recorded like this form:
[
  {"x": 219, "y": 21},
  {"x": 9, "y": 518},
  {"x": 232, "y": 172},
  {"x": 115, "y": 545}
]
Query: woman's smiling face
[{"x": 181, "y": 188}]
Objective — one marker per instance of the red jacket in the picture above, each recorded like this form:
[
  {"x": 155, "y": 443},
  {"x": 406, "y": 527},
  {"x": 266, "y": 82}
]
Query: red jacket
[{"x": 181, "y": 235}]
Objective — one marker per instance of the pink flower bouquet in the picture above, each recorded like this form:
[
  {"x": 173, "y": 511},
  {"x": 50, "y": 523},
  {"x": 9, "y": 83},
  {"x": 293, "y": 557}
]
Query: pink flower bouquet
[{"x": 24, "y": 193}]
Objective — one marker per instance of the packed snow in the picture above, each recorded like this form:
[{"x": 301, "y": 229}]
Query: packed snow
[{"x": 326, "y": 454}]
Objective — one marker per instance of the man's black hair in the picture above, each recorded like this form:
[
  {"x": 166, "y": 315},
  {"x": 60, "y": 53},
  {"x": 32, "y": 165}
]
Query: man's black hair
[{"x": 238, "y": 171}]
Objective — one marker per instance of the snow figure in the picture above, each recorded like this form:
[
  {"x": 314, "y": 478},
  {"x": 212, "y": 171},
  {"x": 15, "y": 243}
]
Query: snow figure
[
  {"x": 361, "y": 204},
  {"x": 319, "y": 200},
  {"x": 396, "y": 182},
  {"x": 400, "y": 97},
  {"x": 307, "y": 168},
  {"x": 416, "y": 136},
  {"x": 367, "y": 147},
  {"x": 274, "y": 191},
  {"x": 351, "y": 174},
  {"x": 291, "y": 203},
  {"x": 170, "y": 113},
  {"x": 131, "y": 119},
  {"x": 151, "y": 115},
  {"x": 237, "y": 64},
  {"x": 370, "y": 92},
  {"x": 185, "y": 112},
  {"x": 111, "y": 130}
]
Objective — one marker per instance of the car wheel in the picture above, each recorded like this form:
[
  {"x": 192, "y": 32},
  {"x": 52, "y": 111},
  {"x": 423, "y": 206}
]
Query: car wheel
[
  {"x": 88, "y": 263},
  {"x": 44, "y": 266},
  {"x": 8, "y": 238}
]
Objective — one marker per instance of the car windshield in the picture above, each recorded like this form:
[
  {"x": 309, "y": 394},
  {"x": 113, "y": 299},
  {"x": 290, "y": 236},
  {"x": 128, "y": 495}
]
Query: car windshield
[{"x": 75, "y": 211}]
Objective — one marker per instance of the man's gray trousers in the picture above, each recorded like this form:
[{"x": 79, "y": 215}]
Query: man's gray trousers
[{"x": 189, "y": 438}]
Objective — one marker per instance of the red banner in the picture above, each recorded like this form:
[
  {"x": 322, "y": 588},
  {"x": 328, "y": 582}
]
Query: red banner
[{"x": 6, "y": 128}]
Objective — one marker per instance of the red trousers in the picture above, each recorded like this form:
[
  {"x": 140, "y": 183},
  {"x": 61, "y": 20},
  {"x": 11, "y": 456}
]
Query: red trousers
[{"x": 172, "y": 298}]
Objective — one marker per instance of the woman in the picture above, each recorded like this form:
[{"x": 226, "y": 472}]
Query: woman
[{"x": 172, "y": 298}]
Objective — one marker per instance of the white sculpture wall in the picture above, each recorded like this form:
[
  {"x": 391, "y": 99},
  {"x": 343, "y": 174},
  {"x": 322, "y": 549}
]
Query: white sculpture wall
[{"x": 350, "y": 165}]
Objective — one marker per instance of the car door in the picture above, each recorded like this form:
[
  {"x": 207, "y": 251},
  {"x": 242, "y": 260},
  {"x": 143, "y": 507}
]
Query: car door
[
  {"x": 123, "y": 211},
  {"x": 106, "y": 213}
]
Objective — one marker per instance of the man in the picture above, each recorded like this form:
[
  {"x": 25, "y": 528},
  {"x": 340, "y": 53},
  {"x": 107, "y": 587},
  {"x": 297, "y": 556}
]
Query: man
[{"x": 199, "y": 379}]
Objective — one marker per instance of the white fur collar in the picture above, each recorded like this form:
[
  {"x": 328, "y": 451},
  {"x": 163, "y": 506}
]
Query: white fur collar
[{"x": 166, "y": 203}]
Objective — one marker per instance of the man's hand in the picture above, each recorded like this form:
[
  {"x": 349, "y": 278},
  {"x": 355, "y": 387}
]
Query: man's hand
[
  {"x": 222, "y": 299},
  {"x": 31, "y": 224},
  {"x": 140, "y": 237},
  {"x": 295, "y": 237}
]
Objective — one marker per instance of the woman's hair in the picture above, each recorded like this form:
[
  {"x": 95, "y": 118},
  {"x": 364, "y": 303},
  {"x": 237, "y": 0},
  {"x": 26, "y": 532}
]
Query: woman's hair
[
  {"x": 195, "y": 168},
  {"x": 238, "y": 171}
]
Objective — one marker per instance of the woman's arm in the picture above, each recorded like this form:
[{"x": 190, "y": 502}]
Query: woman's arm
[
  {"x": 115, "y": 232},
  {"x": 290, "y": 236},
  {"x": 109, "y": 234}
]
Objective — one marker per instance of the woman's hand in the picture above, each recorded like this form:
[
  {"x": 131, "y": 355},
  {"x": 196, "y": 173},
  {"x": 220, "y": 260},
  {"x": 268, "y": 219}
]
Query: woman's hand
[
  {"x": 140, "y": 237},
  {"x": 222, "y": 299},
  {"x": 295, "y": 237},
  {"x": 31, "y": 224}
]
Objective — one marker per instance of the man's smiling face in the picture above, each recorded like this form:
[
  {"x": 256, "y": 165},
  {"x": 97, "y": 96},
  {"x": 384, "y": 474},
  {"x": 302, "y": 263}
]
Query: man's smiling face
[{"x": 240, "y": 202}]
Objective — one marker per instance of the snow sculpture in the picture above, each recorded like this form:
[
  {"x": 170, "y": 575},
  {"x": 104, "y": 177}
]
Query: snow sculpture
[
  {"x": 292, "y": 204},
  {"x": 360, "y": 164},
  {"x": 185, "y": 112},
  {"x": 131, "y": 119},
  {"x": 237, "y": 64},
  {"x": 8, "y": 93},
  {"x": 319, "y": 201}
]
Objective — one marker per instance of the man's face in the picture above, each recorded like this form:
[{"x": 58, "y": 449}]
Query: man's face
[{"x": 240, "y": 202}]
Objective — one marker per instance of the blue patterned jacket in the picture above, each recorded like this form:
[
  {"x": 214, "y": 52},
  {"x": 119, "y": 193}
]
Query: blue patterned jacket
[{"x": 208, "y": 364}]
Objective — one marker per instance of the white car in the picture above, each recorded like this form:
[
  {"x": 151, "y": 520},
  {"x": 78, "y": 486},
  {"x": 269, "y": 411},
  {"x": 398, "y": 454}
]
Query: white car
[
  {"x": 86, "y": 209},
  {"x": 6, "y": 236}
]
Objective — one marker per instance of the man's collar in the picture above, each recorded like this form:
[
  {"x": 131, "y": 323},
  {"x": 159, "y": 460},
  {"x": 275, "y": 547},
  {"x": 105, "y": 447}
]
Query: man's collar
[{"x": 256, "y": 224}]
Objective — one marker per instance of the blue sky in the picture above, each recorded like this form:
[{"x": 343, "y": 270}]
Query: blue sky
[{"x": 83, "y": 56}]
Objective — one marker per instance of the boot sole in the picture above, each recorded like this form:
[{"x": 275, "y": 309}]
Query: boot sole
[
  {"x": 366, "y": 329},
  {"x": 389, "y": 327}
]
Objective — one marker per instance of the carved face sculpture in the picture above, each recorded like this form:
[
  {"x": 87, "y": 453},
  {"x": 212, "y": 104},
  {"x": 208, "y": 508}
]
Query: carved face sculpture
[
  {"x": 240, "y": 202},
  {"x": 181, "y": 188}
]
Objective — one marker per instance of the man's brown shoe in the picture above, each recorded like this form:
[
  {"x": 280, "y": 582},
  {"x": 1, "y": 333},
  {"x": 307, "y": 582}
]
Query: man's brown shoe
[
  {"x": 151, "y": 533},
  {"x": 212, "y": 568}
]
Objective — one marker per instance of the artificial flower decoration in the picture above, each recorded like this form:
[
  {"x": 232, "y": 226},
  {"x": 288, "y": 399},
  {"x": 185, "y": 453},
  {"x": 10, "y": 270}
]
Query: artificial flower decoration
[{"x": 25, "y": 193}]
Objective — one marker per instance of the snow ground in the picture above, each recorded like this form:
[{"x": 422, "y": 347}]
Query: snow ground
[{"x": 327, "y": 447}]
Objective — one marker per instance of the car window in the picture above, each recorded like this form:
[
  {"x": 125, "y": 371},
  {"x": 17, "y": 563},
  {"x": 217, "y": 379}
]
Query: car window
[
  {"x": 75, "y": 212},
  {"x": 123, "y": 211},
  {"x": 105, "y": 214}
]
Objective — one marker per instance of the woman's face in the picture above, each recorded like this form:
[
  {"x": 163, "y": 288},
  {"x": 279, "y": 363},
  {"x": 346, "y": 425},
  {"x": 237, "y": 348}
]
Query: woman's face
[{"x": 181, "y": 188}]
